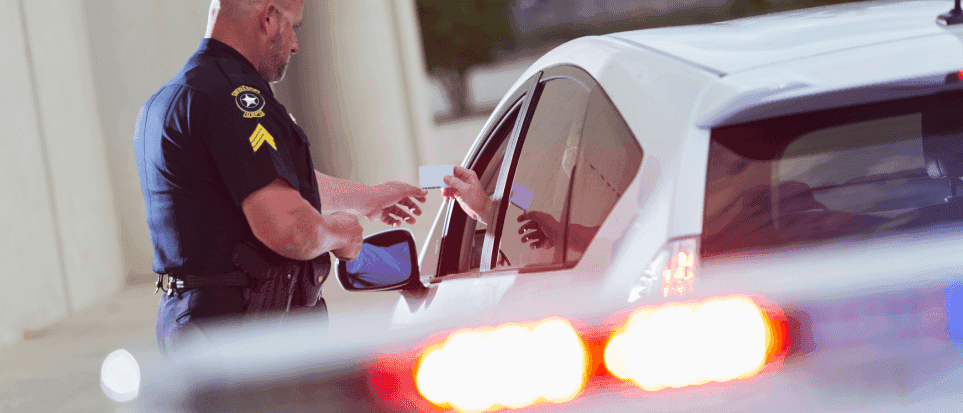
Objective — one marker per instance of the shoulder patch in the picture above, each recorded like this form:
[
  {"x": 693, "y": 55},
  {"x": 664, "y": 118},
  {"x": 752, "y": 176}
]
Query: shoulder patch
[
  {"x": 250, "y": 101},
  {"x": 259, "y": 137}
]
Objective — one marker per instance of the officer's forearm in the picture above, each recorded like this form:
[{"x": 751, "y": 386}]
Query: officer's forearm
[
  {"x": 306, "y": 238},
  {"x": 287, "y": 223},
  {"x": 310, "y": 235},
  {"x": 342, "y": 195}
]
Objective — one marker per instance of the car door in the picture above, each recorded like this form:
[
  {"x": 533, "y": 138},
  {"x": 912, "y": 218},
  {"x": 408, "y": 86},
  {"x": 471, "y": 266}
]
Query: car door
[{"x": 562, "y": 142}]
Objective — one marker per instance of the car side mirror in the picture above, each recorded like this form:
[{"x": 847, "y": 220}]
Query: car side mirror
[{"x": 387, "y": 261}]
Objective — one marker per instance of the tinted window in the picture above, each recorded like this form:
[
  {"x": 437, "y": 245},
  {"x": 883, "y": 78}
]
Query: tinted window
[
  {"x": 578, "y": 158},
  {"x": 545, "y": 168},
  {"x": 609, "y": 158},
  {"x": 853, "y": 172}
]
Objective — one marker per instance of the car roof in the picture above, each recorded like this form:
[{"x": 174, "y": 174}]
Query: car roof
[{"x": 747, "y": 43}]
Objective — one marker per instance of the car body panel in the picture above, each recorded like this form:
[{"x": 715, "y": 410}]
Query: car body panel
[
  {"x": 900, "y": 68},
  {"x": 638, "y": 71},
  {"x": 737, "y": 45},
  {"x": 659, "y": 125}
]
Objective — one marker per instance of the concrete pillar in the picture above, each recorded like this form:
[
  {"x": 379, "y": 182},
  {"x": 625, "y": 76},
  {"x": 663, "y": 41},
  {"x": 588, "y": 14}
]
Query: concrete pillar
[
  {"x": 30, "y": 261},
  {"x": 359, "y": 89},
  {"x": 70, "y": 128},
  {"x": 136, "y": 46}
]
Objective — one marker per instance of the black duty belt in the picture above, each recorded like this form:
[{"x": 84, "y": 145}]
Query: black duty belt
[{"x": 179, "y": 282}]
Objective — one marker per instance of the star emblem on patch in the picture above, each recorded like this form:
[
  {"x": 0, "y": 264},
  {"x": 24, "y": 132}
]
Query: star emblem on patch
[{"x": 250, "y": 101}]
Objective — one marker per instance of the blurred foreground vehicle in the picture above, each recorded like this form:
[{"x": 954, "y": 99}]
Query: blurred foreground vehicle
[{"x": 757, "y": 215}]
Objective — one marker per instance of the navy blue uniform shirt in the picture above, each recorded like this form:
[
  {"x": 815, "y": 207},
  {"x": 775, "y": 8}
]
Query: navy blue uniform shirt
[{"x": 205, "y": 141}]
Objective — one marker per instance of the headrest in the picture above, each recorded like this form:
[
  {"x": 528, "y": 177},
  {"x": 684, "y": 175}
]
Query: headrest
[{"x": 795, "y": 196}]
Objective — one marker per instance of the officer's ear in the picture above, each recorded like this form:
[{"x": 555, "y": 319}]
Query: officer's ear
[{"x": 270, "y": 19}]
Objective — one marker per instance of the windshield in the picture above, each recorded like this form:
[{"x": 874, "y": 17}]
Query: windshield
[{"x": 853, "y": 172}]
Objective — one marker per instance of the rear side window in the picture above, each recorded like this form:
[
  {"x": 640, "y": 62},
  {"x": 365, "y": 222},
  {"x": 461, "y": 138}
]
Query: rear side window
[
  {"x": 608, "y": 160},
  {"x": 855, "y": 172}
]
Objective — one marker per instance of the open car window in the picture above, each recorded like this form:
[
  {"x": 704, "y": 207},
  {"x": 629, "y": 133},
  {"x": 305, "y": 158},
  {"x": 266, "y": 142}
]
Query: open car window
[{"x": 861, "y": 171}]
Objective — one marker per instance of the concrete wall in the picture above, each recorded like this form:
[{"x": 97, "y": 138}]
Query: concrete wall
[
  {"x": 135, "y": 47},
  {"x": 60, "y": 240},
  {"x": 72, "y": 222},
  {"x": 29, "y": 240},
  {"x": 359, "y": 87}
]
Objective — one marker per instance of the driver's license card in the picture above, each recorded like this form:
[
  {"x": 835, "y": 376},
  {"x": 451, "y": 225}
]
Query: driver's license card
[
  {"x": 521, "y": 196},
  {"x": 434, "y": 176}
]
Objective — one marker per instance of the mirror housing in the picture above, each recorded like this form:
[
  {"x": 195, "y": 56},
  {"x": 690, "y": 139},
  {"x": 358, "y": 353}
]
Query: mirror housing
[{"x": 387, "y": 262}]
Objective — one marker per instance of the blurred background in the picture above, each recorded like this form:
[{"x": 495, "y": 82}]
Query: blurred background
[{"x": 380, "y": 86}]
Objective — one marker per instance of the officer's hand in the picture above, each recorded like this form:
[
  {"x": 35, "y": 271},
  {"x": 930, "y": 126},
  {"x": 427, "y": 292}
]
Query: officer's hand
[
  {"x": 467, "y": 190},
  {"x": 347, "y": 227},
  {"x": 394, "y": 202}
]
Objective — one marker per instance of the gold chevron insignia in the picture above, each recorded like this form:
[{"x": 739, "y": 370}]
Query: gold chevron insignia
[{"x": 260, "y": 136}]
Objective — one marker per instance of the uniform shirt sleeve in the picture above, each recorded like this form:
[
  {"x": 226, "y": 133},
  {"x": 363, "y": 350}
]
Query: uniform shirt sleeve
[{"x": 250, "y": 151}]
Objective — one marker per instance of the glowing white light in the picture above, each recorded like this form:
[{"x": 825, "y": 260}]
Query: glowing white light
[
  {"x": 684, "y": 345},
  {"x": 120, "y": 376},
  {"x": 510, "y": 366}
]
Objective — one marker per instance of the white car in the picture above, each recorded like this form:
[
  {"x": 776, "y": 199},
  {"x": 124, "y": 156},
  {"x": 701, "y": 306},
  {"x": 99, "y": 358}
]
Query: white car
[{"x": 759, "y": 214}]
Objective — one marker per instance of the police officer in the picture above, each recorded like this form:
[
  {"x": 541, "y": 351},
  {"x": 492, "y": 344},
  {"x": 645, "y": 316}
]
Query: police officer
[{"x": 223, "y": 166}]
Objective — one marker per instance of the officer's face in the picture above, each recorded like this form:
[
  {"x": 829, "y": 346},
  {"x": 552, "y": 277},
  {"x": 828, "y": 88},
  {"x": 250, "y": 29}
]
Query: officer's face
[{"x": 285, "y": 42}]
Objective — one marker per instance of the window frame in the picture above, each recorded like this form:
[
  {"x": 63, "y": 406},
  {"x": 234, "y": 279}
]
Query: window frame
[{"x": 454, "y": 235}]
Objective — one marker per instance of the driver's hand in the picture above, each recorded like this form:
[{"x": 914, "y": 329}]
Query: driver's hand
[{"x": 467, "y": 190}]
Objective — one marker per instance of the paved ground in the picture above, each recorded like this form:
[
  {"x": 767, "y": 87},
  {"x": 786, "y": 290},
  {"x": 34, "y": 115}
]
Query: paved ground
[{"x": 57, "y": 370}]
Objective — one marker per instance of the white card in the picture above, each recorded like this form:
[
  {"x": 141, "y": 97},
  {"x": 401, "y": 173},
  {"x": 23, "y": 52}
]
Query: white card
[
  {"x": 434, "y": 176},
  {"x": 521, "y": 196}
]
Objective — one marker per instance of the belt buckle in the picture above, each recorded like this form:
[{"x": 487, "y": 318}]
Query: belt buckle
[{"x": 174, "y": 286}]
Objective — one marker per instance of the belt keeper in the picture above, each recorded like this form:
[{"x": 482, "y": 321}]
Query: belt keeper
[{"x": 159, "y": 286}]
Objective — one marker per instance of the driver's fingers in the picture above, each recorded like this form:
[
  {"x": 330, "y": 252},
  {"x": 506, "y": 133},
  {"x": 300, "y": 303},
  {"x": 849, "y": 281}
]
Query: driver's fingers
[
  {"x": 458, "y": 184},
  {"x": 464, "y": 174}
]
